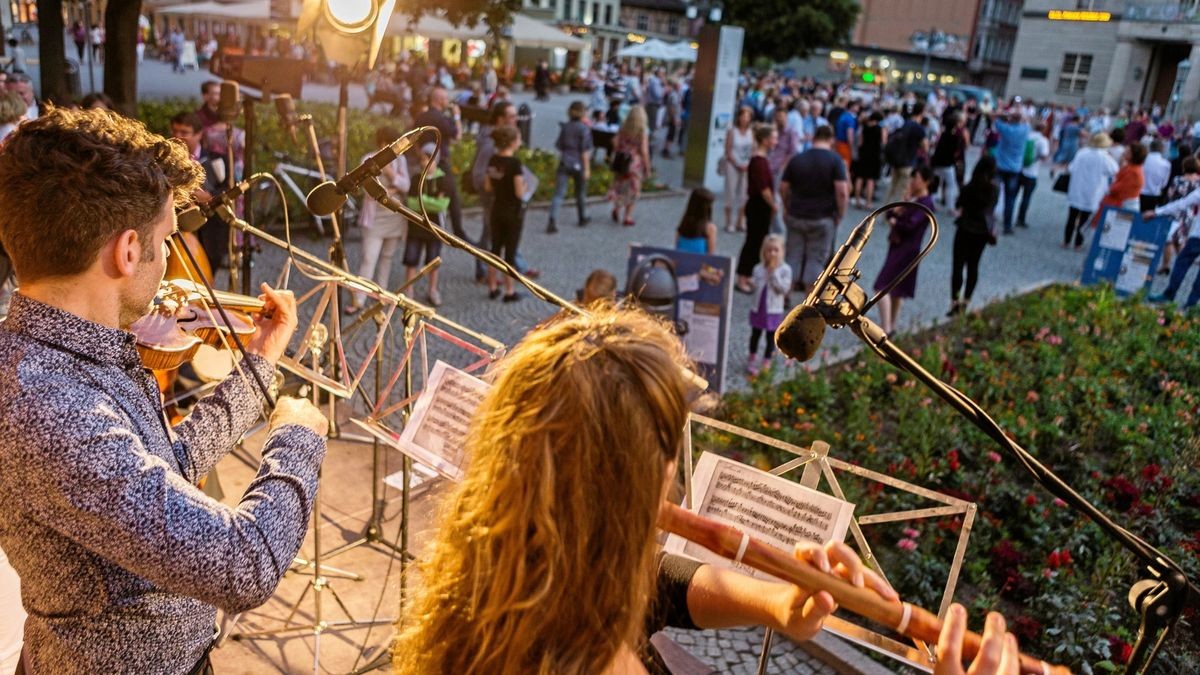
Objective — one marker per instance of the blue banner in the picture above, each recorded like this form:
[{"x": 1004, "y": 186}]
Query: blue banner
[
  {"x": 702, "y": 306},
  {"x": 1125, "y": 250}
]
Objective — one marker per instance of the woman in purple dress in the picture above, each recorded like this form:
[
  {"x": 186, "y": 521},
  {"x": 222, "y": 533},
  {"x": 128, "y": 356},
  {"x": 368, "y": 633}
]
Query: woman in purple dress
[{"x": 904, "y": 244}]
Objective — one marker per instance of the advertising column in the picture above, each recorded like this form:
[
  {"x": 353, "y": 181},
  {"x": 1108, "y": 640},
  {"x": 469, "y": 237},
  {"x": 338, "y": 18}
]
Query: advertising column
[{"x": 714, "y": 95}]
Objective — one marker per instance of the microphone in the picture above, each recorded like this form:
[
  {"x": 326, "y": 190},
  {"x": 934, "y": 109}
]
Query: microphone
[
  {"x": 228, "y": 108},
  {"x": 800, "y": 334},
  {"x": 194, "y": 217},
  {"x": 286, "y": 107},
  {"x": 329, "y": 196}
]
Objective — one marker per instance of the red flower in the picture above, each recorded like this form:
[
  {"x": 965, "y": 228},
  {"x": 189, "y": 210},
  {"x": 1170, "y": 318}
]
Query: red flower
[
  {"x": 1121, "y": 650},
  {"x": 1030, "y": 500},
  {"x": 952, "y": 460}
]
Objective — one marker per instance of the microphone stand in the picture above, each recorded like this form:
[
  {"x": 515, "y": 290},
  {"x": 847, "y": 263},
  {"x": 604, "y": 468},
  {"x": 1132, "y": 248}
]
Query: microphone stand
[{"x": 1160, "y": 599}]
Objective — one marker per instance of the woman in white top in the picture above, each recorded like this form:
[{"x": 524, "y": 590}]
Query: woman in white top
[
  {"x": 739, "y": 145},
  {"x": 1091, "y": 171},
  {"x": 382, "y": 230}
]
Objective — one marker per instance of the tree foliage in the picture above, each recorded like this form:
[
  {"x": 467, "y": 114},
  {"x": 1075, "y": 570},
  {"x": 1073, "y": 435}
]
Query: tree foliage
[{"x": 782, "y": 29}]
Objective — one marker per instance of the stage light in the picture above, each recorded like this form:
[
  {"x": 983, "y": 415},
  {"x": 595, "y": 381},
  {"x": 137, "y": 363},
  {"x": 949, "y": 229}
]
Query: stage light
[
  {"x": 351, "y": 16},
  {"x": 349, "y": 31}
]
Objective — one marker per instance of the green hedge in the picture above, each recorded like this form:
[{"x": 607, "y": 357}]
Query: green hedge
[
  {"x": 361, "y": 127},
  {"x": 1104, "y": 391}
]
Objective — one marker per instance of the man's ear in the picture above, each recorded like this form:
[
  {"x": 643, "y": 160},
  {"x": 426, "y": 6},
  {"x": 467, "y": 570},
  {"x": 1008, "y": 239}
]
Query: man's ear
[{"x": 126, "y": 253}]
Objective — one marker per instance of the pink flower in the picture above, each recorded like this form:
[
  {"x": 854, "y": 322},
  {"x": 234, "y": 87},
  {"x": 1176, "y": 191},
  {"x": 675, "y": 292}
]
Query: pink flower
[
  {"x": 911, "y": 533},
  {"x": 1054, "y": 340},
  {"x": 993, "y": 456},
  {"x": 1032, "y": 396},
  {"x": 907, "y": 544}
]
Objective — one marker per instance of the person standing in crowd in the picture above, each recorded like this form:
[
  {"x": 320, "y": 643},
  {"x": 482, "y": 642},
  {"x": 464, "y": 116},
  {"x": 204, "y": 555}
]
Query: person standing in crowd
[
  {"x": 868, "y": 166},
  {"x": 12, "y": 111},
  {"x": 697, "y": 233},
  {"x": 506, "y": 181},
  {"x": 503, "y": 114},
  {"x": 209, "y": 111},
  {"x": 490, "y": 80},
  {"x": 421, "y": 246},
  {"x": 1186, "y": 208},
  {"x": 905, "y": 235},
  {"x": 79, "y": 35},
  {"x": 541, "y": 80},
  {"x": 1118, "y": 147},
  {"x": 655, "y": 93},
  {"x": 574, "y": 146},
  {"x": 1036, "y": 151},
  {"x": 382, "y": 229},
  {"x": 1127, "y": 186},
  {"x": 787, "y": 145},
  {"x": 1137, "y": 127},
  {"x": 631, "y": 165},
  {"x": 760, "y": 204},
  {"x": 1090, "y": 171},
  {"x": 1010, "y": 157},
  {"x": 21, "y": 85},
  {"x": 739, "y": 144},
  {"x": 902, "y": 150},
  {"x": 845, "y": 132},
  {"x": 672, "y": 116},
  {"x": 96, "y": 35},
  {"x": 771, "y": 281},
  {"x": 214, "y": 234},
  {"x": 444, "y": 115},
  {"x": 949, "y": 151},
  {"x": 1156, "y": 171},
  {"x": 1068, "y": 141},
  {"x": 1181, "y": 186},
  {"x": 974, "y": 232},
  {"x": 115, "y": 546},
  {"x": 815, "y": 191}
]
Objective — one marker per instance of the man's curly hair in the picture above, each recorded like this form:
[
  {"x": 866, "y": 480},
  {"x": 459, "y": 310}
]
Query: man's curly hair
[{"x": 71, "y": 180}]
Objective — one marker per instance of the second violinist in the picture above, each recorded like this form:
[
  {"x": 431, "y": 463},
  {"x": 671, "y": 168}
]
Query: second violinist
[{"x": 123, "y": 561}]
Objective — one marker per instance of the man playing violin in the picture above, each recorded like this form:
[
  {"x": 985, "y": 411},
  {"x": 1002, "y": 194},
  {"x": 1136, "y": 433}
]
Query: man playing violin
[{"x": 123, "y": 561}]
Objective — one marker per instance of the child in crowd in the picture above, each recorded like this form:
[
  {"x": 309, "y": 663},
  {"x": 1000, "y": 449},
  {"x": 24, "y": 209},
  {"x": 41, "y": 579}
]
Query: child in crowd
[
  {"x": 601, "y": 286},
  {"x": 697, "y": 233},
  {"x": 772, "y": 278},
  {"x": 420, "y": 240},
  {"x": 506, "y": 181}
]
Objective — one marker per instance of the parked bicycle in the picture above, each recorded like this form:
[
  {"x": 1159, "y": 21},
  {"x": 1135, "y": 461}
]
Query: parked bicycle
[{"x": 297, "y": 180}]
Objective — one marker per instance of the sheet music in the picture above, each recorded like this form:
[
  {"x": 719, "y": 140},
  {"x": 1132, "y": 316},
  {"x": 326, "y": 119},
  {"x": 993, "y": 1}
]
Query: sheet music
[
  {"x": 770, "y": 509},
  {"x": 437, "y": 432}
]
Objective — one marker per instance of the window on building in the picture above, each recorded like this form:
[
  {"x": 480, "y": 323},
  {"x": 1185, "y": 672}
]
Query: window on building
[
  {"x": 595, "y": 17},
  {"x": 1076, "y": 69},
  {"x": 643, "y": 22},
  {"x": 582, "y": 9},
  {"x": 608, "y": 15},
  {"x": 1034, "y": 73},
  {"x": 673, "y": 25},
  {"x": 567, "y": 10}
]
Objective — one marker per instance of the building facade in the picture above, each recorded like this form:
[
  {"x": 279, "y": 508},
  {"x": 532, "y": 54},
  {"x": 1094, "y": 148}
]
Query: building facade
[
  {"x": 597, "y": 21},
  {"x": 666, "y": 20},
  {"x": 1111, "y": 53}
]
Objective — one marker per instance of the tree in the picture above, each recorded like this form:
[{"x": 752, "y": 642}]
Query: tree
[
  {"x": 120, "y": 53},
  {"x": 782, "y": 29},
  {"x": 52, "y": 51}
]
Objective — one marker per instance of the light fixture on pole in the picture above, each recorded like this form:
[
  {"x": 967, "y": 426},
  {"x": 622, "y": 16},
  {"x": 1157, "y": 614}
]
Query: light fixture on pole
[{"x": 349, "y": 31}]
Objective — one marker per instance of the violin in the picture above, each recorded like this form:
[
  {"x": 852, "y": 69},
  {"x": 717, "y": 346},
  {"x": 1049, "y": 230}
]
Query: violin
[{"x": 182, "y": 317}]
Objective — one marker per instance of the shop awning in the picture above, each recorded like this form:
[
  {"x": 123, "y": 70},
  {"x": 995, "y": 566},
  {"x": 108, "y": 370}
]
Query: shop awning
[
  {"x": 526, "y": 31},
  {"x": 529, "y": 32},
  {"x": 257, "y": 11}
]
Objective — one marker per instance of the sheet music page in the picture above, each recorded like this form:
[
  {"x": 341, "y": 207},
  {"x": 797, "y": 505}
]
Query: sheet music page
[
  {"x": 771, "y": 509},
  {"x": 437, "y": 432}
]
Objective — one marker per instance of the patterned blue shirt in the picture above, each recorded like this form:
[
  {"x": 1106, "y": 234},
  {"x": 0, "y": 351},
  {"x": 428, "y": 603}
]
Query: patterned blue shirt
[{"x": 123, "y": 561}]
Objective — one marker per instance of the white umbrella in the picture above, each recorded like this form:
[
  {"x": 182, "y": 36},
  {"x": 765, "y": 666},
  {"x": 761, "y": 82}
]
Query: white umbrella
[
  {"x": 683, "y": 52},
  {"x": 650, "y": 49}
]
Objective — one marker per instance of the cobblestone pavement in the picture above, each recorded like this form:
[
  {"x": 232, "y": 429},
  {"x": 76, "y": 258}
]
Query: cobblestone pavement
[{"x": 737, "y": 650}]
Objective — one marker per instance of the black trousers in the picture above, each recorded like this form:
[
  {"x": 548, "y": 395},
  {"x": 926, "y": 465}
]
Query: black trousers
[
  {"x": 968, "y": 249},
  {"x": 1076, "y": 221},
  {"x": 755, "y": 334}
]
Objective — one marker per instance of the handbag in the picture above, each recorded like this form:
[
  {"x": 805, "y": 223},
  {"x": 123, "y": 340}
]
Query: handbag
[
  {"x": 1063, "y": 182},
  {"x": 721, "y": 167}
]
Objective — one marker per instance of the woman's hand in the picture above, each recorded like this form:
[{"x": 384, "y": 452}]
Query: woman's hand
[
  {"x": 801, "y": 613},
  {"x": 998, "y": 652}
]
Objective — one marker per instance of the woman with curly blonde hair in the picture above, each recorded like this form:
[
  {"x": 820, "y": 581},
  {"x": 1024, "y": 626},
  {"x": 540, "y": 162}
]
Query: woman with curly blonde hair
[{"x": 545, "y": 560}]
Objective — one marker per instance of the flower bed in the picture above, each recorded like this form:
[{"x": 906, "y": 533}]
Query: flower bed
[{"x": 1106, "y": 392}]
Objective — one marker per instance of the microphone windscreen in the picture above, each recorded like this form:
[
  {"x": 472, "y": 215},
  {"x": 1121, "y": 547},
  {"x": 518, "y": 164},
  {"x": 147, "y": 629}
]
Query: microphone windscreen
[
  {"x": 799, "y": 336},
  {"x": 228, "y": 108},
  {"x": 325, "y": 199},
  {"x": 190, "y": 219}
]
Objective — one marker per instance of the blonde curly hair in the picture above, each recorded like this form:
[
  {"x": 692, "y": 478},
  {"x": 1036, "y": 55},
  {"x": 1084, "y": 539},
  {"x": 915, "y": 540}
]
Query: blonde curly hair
[{"x": 543, "y": 562}]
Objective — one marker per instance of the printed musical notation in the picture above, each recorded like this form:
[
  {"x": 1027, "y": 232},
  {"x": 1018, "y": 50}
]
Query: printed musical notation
[
  {"x": 437, "y": 432},
  {"x": 769, "y": 508}
]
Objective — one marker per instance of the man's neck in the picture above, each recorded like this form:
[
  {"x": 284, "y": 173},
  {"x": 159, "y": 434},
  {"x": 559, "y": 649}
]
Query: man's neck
[
  {"x": 83, "y": 297},
  {"x": 822, "y": 145}
]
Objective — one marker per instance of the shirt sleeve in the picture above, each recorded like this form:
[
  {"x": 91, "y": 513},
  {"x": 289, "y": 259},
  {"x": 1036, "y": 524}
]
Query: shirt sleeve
[
  {"x": 669, "y": 606},
  {"x": 1180, "y": 205},
  {"x": 99, "y": 486},
  {"x": 217, "y": 421}
]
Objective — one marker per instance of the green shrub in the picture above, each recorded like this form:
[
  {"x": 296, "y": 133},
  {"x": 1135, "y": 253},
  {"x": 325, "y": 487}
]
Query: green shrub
[{"x": 1104, "y": 391}]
